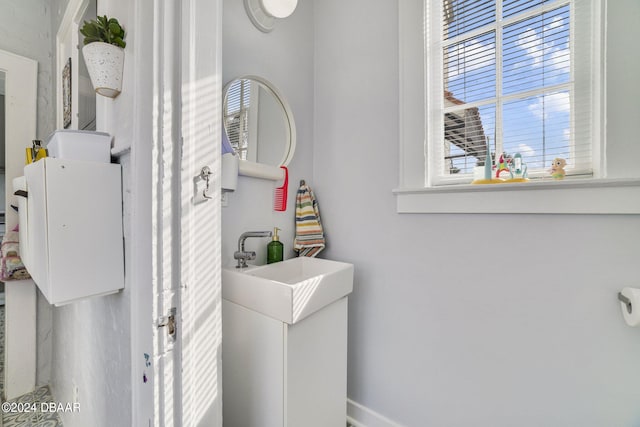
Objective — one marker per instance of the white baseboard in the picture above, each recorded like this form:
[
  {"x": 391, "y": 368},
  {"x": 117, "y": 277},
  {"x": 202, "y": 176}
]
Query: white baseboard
[{"x": 361, "y": 416}]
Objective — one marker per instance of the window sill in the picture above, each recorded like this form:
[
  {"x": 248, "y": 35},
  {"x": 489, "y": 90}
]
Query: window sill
[{"x": 588, "y": 196}]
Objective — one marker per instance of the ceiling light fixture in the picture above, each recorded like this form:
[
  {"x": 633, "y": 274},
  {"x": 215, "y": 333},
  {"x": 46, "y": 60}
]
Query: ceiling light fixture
[{"x": 263, "y": 13}]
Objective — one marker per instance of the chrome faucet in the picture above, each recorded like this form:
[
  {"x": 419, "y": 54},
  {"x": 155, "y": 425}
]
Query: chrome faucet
[{"x": 243, "y": 256}]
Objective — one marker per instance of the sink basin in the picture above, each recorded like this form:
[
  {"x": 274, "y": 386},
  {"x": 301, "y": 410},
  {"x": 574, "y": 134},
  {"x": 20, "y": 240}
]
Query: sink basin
[{"x": 289, "y": 290}]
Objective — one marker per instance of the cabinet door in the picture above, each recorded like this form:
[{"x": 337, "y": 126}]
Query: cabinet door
[
  {"x": 253, "y": 368},
  {"x": 75, "y": 228},
  {"x": 316, "y": 369},
  {"x": 84, "y": 221}
]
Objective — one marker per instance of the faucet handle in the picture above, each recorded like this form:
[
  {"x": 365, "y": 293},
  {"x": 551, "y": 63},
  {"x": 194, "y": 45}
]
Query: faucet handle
[
  {"x": 243, "y": 257},
  {"x": 246, "y": 255}
]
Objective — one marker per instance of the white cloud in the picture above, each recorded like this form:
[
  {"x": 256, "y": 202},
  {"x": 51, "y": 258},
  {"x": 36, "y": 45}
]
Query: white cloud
[
  {"x": 530, "y": 42},
  {"x": 553, "y": 103},
  {"x": 526, "y": 151},
  {"x": 558, "y": 22},
  {"x": 558, "y": 58}
]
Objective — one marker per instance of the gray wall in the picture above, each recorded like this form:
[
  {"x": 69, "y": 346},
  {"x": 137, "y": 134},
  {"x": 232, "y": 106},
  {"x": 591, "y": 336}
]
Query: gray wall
[
  {"x": 25, "y": 29},
  {"x": 459, "y": 320},
  {"x": 285, "y": 58},
  {"x": 444, "y": 331}
]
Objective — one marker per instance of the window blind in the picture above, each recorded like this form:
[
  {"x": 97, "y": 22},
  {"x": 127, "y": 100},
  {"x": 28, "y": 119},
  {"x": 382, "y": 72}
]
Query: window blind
[
  {"x": 509, "y": 86},
  {"x": 236, "y": 115}
]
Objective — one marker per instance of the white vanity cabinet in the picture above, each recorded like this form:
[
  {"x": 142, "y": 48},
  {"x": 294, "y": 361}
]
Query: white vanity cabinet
[
  {"x": 277, "y": 374},
  {"x": 73, "y": 228}
]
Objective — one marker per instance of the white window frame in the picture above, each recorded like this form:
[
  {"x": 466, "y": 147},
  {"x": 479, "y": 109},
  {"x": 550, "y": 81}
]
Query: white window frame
[
  {"x": 435, "y": 50},
  {"x": 417, "y": 193}
]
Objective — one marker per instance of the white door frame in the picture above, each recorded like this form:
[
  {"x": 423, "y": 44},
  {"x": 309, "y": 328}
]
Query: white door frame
[
  {"x": 179, "y": 252},
  {"x": 67, "y": 46},
  {"x": 21, "y": 82}
]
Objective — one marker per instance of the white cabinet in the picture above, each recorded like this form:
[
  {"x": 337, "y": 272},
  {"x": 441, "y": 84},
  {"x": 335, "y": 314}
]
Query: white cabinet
[
  {"x": 277, "y": 374},
  {"x": 73, "y": 228}
]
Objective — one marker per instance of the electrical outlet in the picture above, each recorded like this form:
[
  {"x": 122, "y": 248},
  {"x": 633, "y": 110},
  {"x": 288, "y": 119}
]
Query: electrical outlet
[{"x": 224, "y": 199}]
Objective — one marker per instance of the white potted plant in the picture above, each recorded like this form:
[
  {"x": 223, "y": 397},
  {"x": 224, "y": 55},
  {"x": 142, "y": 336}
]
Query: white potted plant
[{"x": 103, "y": 53}]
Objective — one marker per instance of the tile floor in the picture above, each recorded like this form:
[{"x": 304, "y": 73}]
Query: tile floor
[
  {"x": 37, "y": 418},
  {"x": 33, "y": 400}
]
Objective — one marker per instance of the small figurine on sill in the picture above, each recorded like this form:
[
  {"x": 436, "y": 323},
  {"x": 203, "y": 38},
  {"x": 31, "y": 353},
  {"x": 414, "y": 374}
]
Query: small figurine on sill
[
  {"x": 484, "y": 174},
  {"x": 557, "y": 168},
  {"x": 502, "y": 166},
  {"x": 518, "y": 170}
]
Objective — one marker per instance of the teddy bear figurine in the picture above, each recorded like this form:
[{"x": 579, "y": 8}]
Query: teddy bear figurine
[{"x": 557, "y": 168}]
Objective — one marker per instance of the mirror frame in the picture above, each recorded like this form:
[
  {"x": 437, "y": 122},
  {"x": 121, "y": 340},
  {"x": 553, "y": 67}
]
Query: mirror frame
[{"x": 261, "y": 170}]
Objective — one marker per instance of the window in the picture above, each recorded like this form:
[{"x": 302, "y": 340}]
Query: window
[
  {"x": 506, "y": 82},
  {"x": 494, "y": 94}
]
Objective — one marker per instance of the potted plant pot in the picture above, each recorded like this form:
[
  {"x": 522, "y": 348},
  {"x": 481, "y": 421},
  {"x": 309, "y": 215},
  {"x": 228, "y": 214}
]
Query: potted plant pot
[
  {"x": 105, "y": 63},
  {"x": 103, "y": 53}
]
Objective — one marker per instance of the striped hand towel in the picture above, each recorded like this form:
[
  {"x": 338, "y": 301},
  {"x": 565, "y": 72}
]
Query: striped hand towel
[{"x": 309, "y": 239}]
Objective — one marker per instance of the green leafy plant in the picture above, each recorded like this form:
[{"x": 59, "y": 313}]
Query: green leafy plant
[{"x": 103, "y": 29}]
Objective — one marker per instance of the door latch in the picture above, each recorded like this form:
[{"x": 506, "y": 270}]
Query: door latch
[
  {"x": 202, "y": 185},
  {"x": 169, "y": 321}
]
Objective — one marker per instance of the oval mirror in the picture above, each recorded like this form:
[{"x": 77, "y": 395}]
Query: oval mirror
[{"x": 258, "y": 122}]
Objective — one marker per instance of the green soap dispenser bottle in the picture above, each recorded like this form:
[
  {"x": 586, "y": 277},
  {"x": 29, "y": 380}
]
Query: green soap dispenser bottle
[{"x": 275, "y": 248}]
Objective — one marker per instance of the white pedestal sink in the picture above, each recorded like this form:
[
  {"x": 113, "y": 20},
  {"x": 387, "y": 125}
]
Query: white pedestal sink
[
  {"x": 289, "y": 290},
  {"x": 284, "y": 348}
]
